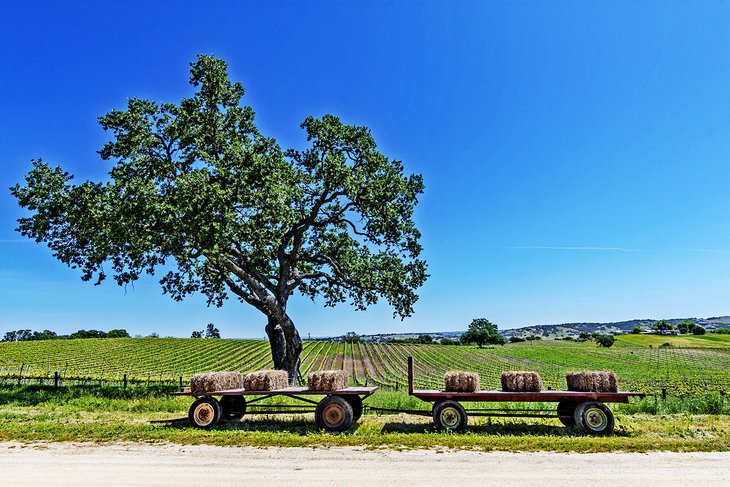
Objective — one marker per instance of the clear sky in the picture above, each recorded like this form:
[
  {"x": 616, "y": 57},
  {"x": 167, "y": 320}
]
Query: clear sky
[{"x": 575, "y": 155}]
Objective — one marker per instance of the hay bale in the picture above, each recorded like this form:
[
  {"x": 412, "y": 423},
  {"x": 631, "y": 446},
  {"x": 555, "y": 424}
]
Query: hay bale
[
  {"x": 592, "y": 381},
  {"x": 459, "y": 381},
  {"x": 266, "y": 380},
  {"x": 215, "y": 381},
  {"x": 327, "y": 380},
  {"x": 521, "y": 381}
]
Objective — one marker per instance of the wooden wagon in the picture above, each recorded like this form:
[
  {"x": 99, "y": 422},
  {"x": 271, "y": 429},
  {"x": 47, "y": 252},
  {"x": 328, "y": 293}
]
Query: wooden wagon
[
  {"x": 334, "y": 412},
  {"x": 587, "y": 410}
]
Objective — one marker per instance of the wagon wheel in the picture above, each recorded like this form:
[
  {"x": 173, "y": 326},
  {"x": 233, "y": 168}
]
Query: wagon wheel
[
  {"x": 333, "y": 413},
  {"x": 594, "y": 417},
  {"x": 449, "y": 415},
  {"x": 356, "y": 404},
  {"x": 205, "y": 412},
  {"x": 234, "y": 407},
  {"x": 566, "y": 412}
]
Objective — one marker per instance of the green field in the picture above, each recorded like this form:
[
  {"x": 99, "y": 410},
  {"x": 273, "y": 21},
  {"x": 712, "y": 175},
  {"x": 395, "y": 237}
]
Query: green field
[
  {"x": 689, "y": 419},
  {"x": 33, "y": 414},
  {"x": 709, "y": 340},
  {"x": 689, "y": 365}
]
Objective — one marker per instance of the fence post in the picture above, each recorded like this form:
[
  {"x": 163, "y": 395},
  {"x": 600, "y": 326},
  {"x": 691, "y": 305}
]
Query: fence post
[
  {"x": 55, "y": 379},
  {"x": 125, "y": 381},
  {"x": 664, "y": 393},
  {"x": 181, "y": 387}
]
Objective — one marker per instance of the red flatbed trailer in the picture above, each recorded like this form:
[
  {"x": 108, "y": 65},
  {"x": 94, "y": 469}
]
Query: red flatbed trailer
[
  {"x": 584, "y": 409},
  {"x": 334, "y": 412}
]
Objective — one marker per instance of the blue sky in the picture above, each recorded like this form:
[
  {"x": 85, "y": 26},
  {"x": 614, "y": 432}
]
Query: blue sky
[{"x": 575, "y": 155}]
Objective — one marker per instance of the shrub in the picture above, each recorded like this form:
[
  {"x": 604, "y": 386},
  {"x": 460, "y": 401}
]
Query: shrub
[
  {"x": 722, "y": 331},
  {"x": 516, "y": 339},
  {"x": 605, "y": 340},
  {"x": 698, "y": 330}
]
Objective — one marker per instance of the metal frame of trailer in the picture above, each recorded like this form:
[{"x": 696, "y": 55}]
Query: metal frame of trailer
[
  {"x": 335, "y": 412},
  {"x": 583, "y": 409}
]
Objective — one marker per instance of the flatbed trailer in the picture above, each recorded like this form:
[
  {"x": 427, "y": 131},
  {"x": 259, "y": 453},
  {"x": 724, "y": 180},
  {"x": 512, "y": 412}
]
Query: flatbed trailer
[
  {"x": 583, "y": 409},
  {"x": 334, "y": 412}
]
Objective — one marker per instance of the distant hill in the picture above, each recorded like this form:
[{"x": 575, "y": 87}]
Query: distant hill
[
  {"x": 574, "y": 329},
  {"x": 552, "y": 331}
]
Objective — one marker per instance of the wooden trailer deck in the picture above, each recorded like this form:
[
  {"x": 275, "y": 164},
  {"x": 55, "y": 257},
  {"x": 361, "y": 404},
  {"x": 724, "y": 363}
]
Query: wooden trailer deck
[{"x": 575, "y": 408}]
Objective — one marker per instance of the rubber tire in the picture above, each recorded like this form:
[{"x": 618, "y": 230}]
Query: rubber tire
[
  {"x": 449, "y": 415},
  {"x": 205, "y": 412},
  {"x": 567, "y": 408},
  {"x": 594, "y": 418},
  {"x": 334, "y": 414},
  {"x": 234, "y": 407},
  {"x": 356, "y": 405}
]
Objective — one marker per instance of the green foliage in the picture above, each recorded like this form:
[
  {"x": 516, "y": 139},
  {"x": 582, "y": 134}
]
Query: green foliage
[
  {"x": 698, "y": 330},
  {"x": 686, "y": 326},
  {"x": 211, "y": 331},
  {"x": 17, "y": 336},
  {"x": 197, "y": 191},
  {"x": 700, "y": 403},
  {"x": 605, "y": 340},
  {"x": 584, "y": 335},
  {"x": 662, "y": 325},
  {"x": 448, "y": 341},
  {"x": 197, "y": 185},
  {"x": 120, "y": 333},
  {"x": 197, "y": 334},
  {"x": 88, "y": 334},
  {"x": 481, "y": 331},
  {"x": 351, "y": 337},
  {"x": 722, "y": 331},
  {"x": 516, "y": 339},
  {"x": 637, "y": 329},
  {"x": 425, "y": 339}
]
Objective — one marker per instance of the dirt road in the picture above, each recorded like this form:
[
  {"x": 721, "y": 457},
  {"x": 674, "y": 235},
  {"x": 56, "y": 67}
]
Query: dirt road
[{"x": 61, "y": 464}]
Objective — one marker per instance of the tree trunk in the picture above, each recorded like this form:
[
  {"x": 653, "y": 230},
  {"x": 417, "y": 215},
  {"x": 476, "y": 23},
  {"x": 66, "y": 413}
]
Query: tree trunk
[{"x": 286, "y": 346}]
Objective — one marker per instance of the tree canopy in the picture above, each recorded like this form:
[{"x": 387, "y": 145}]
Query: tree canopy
[
  {"x": 199, "y": 194},
  {"x": 481, "y": 331}
]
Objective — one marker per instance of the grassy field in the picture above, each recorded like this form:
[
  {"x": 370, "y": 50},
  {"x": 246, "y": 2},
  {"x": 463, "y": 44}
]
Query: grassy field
[
  {"x": 709, "y": 340},
  {"x": 104, "y": 415},
  {"x": 681, "y": 369}
]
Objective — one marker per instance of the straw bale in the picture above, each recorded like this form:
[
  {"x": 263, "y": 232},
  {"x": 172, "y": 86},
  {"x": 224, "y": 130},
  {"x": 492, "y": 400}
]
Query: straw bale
[
  {"x": 521, "y": 381},
  {"x": 327, "y": 380},
  {"x": 215, "y": 381},
  {"x": 592, "y": 381},
  {"x": 266, "y": 380},
  {"x": 459, "y": 381}
]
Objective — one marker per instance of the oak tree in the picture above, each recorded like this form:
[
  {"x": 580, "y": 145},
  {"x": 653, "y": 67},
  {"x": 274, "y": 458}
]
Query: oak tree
[
  {"x": 198, "y": 195},
  {"x": 481, "y": 331}
]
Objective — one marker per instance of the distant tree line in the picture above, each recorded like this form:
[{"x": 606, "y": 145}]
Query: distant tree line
[
  {"x": 28, "y": 335},
  {"x": 683, "y": 327}
]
